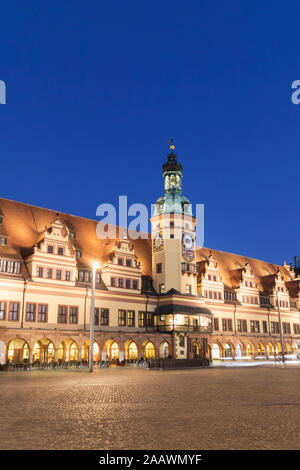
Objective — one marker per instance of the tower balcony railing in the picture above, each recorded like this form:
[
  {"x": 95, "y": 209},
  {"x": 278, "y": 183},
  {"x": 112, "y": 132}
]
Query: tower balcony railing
[
  {"x": 189, "y": 268},
  {"x": 183, "y": 328}
]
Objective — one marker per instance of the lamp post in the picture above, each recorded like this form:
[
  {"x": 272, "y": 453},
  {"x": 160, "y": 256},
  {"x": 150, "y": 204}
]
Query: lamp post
[
  {"x": 280, "y": 328},
  {"x": 92, "y": 318}
]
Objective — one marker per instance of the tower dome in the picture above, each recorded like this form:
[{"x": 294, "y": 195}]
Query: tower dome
[{"x": 173, "y": 200}]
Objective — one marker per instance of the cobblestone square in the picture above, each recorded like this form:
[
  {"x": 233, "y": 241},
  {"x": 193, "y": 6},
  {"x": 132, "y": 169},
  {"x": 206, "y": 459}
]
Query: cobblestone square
[{"x": 121, "y": 408}]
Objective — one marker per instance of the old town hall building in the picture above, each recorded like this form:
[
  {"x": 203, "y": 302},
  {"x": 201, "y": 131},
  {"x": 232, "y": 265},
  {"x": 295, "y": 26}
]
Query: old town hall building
[{"x": 156, "y": 297}]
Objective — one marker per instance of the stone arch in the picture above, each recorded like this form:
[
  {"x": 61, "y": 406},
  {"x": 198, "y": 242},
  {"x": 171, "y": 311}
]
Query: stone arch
[
  {"x": 196, "y": 349},
  {"x": 85, "y": 351},
  {"x": 68, "y": 350},
  {"x": 131, "y": 350},
  {"x": 148, "y": 350},
  {"x": 270, "y": 348},
  {"x": 260, "y": 349},
  {"x": 17, "y": 350},
  {"x": 112, "y": 350},
  {"x": 229, "y": 349},
  {"x": 288, "y": 348},
  {"x": 250, "y": 350},
  {"x": 164, "y": 349},
  {"x": 239, "y": 350},
  {"x": 216, "y": 351}
]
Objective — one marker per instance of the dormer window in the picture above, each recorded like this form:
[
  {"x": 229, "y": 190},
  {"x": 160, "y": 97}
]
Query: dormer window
[
  {"x": 3, "y": 241},
  {"x": 78, "y": 254},
  {"x": 60, "y": 251},
  {"x": 120, "y": 261},
  {"x": 50, "y": 249},
  {"x": 128, "y": 263}
]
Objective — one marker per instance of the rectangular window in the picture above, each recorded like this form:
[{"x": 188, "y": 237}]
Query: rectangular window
[
  {"x": 73, "y": 315},
  {"x": 60, "y": 251},
  {"x": 162, "y": 289},
  {"x": 274, "y": 327},
  {"x": 62, "y": 314},
  {"x": 127, "y": 283},
  {"x": 67, "y": 275},
  {"x": 112, "y": 281},
  {"x": 58, "y": 274},
  {"x": 104, "y": 316},
  {"x": 159, "y": 268},
  {"x": 224, "y": 324},
  {"x": 2, "y": 310},
  {"x": 265, "y": 326},
  {"x": 122, "y": 317},
  {"x": 128, "y": 263},
  {"x": 134, "y": 284},
  {"x": 3, "y": 241},
  {"x": 130, "y": 318},
  {"x": 257, "y": 327},
  {"x": 49, "y": 273},
  {"x": 142, "y": 322},
  {"x": 252, "y": 326},
  {"x": 239, "y": 326},
  {"x": 244, "y": 326},
  {"x": 96, "y": 316},
  {"x": 188, "y": 289},
  {"x": 229, "y": 323},
  {"x": 40, "y": 272},
  {"x": 42, "y": 312},
  {"x": 98, "y": 278},
  {"x": 50, "y": 248},
  {"x": 149, "y": 319},
  {"x": 13, "y": 311},
  {"x": 120, "y": 261},
  {"x": 216, "y": 324},
  {"x": 120, "y": 282},
  {"x": 30, "y": 312}
]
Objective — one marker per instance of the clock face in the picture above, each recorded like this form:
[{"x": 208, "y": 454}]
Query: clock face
[
  {"x": 158, "y": 243},
  {"x": 187, "y": 241}
]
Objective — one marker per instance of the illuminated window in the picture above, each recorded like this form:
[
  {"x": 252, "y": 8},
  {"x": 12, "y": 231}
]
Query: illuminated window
[
  {"x": 142, "y": 322},
  {"x": 162, "y": 289},
  {"x": 122, "y": 317},
  {"x": 131, "y": 318}
]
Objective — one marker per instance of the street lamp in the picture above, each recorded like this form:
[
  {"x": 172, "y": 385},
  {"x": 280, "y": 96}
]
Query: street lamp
[
  {"x": 280, "y": 327},
  {"x": 95, "y": 266}
]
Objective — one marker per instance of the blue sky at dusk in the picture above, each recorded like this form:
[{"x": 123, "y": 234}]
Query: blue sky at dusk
[{"x": 95, "y": 89}]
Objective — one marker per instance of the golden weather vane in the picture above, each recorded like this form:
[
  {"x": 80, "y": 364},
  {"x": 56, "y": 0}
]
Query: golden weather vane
[{"x": 171, "y": 144}]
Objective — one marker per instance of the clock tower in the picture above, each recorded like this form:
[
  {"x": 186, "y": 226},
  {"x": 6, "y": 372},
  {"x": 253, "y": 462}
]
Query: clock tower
[{"x": 173, "y": 235}]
